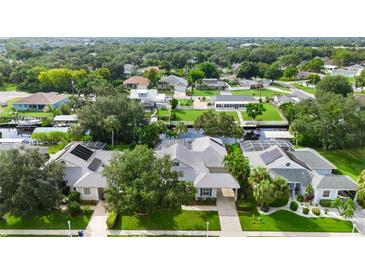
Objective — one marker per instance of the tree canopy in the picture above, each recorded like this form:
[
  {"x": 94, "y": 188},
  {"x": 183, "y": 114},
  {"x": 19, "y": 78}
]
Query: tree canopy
[
  {"x": 28, "y": 184},
  {"x": 336, "y": 84},
  {"x": 140, "y": 183}
]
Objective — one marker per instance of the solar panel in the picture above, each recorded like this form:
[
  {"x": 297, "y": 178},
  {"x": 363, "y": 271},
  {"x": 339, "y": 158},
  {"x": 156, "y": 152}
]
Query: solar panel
[
  {"x": 259, "y": 145},
  {"x": 95, "y": 164},
  {"x": 270, "y": 156},
  {"x": 82, "y": 152}
]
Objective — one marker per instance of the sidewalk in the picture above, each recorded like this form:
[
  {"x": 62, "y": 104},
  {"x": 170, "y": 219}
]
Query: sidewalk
[
  {"x": 37, "y": 232},
  {"x": 97, "y": 225},
  {"x": 192, "y": 233}
]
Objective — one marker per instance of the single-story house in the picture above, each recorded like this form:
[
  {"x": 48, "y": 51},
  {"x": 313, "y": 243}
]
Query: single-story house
[
  {"x": 136, "y": 82},
  {"x": 174, "y": 83},
  {"x": 149, "y": 97},
  {"x": 302, "y": 167},
  {"x": 281, "y": 99},
  {"x": 83, "y": 169},
  {"x": 38, "y": 101},
  {"x": 50, "y": 129},
  {"x": 303, "y": 74},
  {"x": 345, "y": 72},
  {"x": 213, "y": 83},
  {"x": 254, "y": 83},
  {"x": 233, "y": 102},
  {"x": 64, "y": 120},
  {"x": 358, "y": 68},
  {"x": 201, "y": 162}
]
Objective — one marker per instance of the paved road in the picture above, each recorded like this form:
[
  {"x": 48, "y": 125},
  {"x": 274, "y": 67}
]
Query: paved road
[
  {"x": 38, "y": 232},
  {"x": 296, "y": 91}
]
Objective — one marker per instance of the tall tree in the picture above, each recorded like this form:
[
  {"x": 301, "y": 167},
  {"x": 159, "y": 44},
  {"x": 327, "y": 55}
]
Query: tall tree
[
  {"x": 210, "y": 69},
  {"x": 140, "y": 183},
  {"x": 254, "y": 110},
  {"x": 218, "y": 125},
  {"x": 27, "y": 183},
  {"x": 336, "y": 84},
  {"x": 248, "y": 70},
  {"x": 290, "y": 72},
  {"x": 262, "y": 186},
  {"x": 111, "y": 124},
  {"x": 314, "y": 65}
]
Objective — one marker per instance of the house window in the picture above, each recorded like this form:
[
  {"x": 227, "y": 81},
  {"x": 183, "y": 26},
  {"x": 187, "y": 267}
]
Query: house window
[
  {"x": 206, "y": 192},
  {"x": 87, "y": 191},
  {"x": 326, "y": 193},
  {"x": 175, "y": 163}
]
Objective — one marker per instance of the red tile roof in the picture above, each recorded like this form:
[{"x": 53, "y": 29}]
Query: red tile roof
[{"x": 137, "y": 80}]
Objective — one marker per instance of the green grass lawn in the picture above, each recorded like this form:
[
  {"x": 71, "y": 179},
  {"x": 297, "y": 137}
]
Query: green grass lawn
[
  {"x": 257, "y": 92},
  {"x": 167, "y": 220},
  {"x": 306, "y": 89},
  {"x": 193, "y": 114},
  {"x": 288, "y": 221},
  {"x": 205, "y": 92},
  {"x": 163, "y": 112},
  {"x": 348, "y": 161},
  {"x": 52, "y": 220},
  {"x": 185, "y": 102},
  {"x": 270, "y": 114},
  {"x": 277, "y": 85},
  {"x": 8, "y": 87},
  {"x": 55, "y": 148}
]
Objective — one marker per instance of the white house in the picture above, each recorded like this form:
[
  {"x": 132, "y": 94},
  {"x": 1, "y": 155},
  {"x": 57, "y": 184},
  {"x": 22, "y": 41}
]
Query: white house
[
  {"x": 201, "y": 162},
  {"x": 83, "y": 169},
  {"x": 301, "y": 167},
  {"x": 233, "y": 102},
  {"x": 147, "y": 96},
  {"x": 213, "y": 83},
  {"x": 173, "y": 82},
  {"x": 345, "y": 72}
]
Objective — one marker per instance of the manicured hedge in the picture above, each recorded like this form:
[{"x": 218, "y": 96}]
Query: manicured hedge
[
  {"x": 300, "y": 198},
  {"x": 74, "y": 208},
  {"x": 325, "y": 202},
  {"x": 280, "y": 202},
  {"x": 316, "y": 211},
  {"x": 111, "y": 219},
  {"x": 305, "y": 210},
  {"x": 294, "y": 205}
]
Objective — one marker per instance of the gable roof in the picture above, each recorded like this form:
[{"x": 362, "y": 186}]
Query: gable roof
[
  {"x": 294, "y": 175},
  {"x": 42, "y": 98},
  {"x": 174, "y": 80},
  {"x": 339, "y": 182},
  {"x": 137, "y": 80}
]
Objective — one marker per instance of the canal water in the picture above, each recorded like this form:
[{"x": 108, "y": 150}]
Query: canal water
[{"x": 14, "y": 133}]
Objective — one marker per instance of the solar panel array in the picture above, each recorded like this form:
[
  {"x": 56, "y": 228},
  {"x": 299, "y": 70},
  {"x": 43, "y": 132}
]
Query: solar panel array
[
  {"x": 270, "y": 156},
  {"x": 95, "y": 164},
  {"x": 82, "y": 152},
  {"x": 259, "y": 145}
]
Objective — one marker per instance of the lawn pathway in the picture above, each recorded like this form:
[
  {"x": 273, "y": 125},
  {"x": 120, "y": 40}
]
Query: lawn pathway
[
  {"x": 97, "y": 225},
  {"x": 239, "y": 114}
]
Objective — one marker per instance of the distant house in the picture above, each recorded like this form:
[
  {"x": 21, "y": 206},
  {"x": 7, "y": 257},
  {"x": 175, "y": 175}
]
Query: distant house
[
  {"x": 213, "y": 83},
  {"x": 127, "y": 69},
  {"x": 303, "y": 74},
  {"x": 174, "y": 83},
  {"x": 253, "y": 84},
  {"x": 328, "y": 64},
  {"x": 83, "y": 169},
  {"x": 149, "y": 97},
  {"x": 281, "y": 99},
  {"x": 136, "y": 82},
  {"x": 345, "y": 72},
  {"x": 64, "y": 120},
  {"x": 40, "y": 100},
  {"x": 301, "y": 168},
  {"x": 233, "y": 102},
  {"x": 201, "y": 162},
  {"x": 358, "y": 68}
]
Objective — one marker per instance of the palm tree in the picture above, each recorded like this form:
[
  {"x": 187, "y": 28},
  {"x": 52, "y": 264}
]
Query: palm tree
[
  {"x": 348, "y": 208},
  {"x": 181, "y": 128},
  {"x": 360, "y": 192},
  {"x": 337, "y": 203},
  {"x": 262, "y": 186},
  {"x": 111, "y": 123}
]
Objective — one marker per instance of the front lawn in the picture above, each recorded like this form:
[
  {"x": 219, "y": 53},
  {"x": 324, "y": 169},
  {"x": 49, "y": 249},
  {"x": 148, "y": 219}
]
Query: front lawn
[
  {"x": 8, "y": 111},
  {"x": 263, "y": 92},
  {"x": 49, "y": 220},
  {"x": 348, "y": 161},
  {"x": 167, "y": 220},
  {"x": 193, "y": 114},
  {"x": 206, "y": 92},
  {"x": 304, "y": 88},
  {"x": 271, "y": 113},
  {"x": 288, "y": 221},
  {"x": 185, "y": 102}
]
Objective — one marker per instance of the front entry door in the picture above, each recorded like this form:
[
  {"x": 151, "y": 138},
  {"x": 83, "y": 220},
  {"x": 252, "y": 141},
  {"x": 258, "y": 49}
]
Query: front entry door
[{"x": 101, "y": 193}]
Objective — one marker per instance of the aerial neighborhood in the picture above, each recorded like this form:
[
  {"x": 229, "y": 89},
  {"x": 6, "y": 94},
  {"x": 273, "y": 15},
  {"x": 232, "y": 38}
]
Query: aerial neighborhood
[{"x": 182, "y": 137}]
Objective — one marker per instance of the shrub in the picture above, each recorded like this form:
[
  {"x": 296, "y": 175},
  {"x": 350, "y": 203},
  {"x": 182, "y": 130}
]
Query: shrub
[
  {"x": 300, "y": 198},
  {"x": 74, "y": 208},
  {"x": 305, "y": 210},
  {"x": 325, "y": 202},
  {"x": 111, "y": 219},
  {"x": 74, "y": 196},
  {"x": 293, "y": 205},
  {"x": 316, "y": 211},
  {"x": 280, "y": 202},
  {"x": 87, "y": 210}
]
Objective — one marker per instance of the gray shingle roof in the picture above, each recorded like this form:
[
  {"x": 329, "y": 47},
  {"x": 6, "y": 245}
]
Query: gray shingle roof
[
  {"x": 293, "y": 175},
  {"x": 238, "y": 98},
  {"x": 339, "y": 182}
]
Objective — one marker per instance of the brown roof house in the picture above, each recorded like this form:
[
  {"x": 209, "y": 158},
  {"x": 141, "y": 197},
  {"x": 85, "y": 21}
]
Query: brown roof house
[
  {"x": 136, "y": 82},
  {"x": 38, "y": 101}
]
